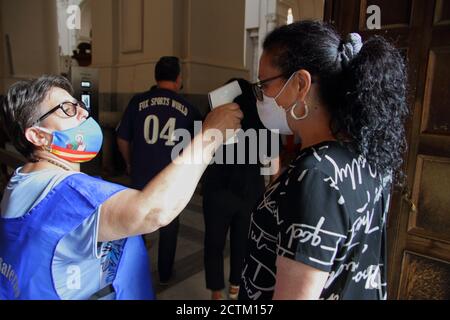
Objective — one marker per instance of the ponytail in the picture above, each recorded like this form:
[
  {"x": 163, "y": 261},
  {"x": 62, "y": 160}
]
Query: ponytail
[{"x": 372, "y": 106}]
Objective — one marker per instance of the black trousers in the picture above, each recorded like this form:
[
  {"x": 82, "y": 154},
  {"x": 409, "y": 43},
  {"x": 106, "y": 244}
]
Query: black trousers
[
  {"x": 223, "y": 212},
  {"x": 168, "y": 237}
]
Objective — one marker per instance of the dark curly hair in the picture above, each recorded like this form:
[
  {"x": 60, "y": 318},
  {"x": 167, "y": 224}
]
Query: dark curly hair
[{"x": 366, "y": 95}]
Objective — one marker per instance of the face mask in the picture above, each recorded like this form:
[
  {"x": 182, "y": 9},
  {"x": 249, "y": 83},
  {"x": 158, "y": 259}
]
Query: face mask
[
  {"x": 273, "y": 116},
  {"x": 80, "y": 144}
]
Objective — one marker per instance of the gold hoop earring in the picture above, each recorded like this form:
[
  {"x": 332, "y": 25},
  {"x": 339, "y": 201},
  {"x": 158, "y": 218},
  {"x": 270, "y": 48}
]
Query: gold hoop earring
[{"x": 302, "y": 117}]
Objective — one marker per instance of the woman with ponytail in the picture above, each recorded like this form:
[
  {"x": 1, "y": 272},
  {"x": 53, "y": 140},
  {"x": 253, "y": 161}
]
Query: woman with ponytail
[{"x": 320, "y": 230}]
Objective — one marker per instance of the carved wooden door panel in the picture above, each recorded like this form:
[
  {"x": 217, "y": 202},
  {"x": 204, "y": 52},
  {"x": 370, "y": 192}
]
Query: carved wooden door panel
[{"x": 419, "y": 222}]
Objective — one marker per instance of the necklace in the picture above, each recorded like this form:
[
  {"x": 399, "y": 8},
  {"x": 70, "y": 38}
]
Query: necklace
[{"x": 55, "y": 163}]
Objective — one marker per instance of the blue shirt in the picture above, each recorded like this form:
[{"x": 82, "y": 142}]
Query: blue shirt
[
  {"x": 77, "y": 252},
  {"x": 149, "y": 123}
]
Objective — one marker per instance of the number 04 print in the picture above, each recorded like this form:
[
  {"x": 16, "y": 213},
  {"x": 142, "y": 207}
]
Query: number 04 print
[{"x": 152, "y": 133}]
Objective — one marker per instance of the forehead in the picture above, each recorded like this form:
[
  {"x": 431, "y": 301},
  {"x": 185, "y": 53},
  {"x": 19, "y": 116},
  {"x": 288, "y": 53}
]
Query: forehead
[
  {"x": 266, "y": 68},
  {"x": 54, "y": 97}
]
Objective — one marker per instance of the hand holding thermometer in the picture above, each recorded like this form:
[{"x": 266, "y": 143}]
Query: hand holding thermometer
[{"x": 224, "y": 95}]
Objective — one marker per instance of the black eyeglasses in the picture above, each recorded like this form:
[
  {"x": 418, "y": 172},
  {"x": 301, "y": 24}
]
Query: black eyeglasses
[
  {"x": 68, "y": 107},
  {"x": 257, "y": 87}
]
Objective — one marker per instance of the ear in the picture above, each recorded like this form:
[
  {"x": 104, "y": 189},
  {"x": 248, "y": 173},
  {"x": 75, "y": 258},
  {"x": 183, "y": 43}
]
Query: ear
[
  {"x": 37, "y": 137},
  {"x": 179, "y": 81},
  {"x": 304, "y": 81}
]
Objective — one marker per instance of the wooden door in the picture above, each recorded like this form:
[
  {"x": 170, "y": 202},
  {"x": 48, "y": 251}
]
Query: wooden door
[{"x": 419, "y": 221}]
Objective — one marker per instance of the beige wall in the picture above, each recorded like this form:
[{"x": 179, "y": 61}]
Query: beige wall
[
  {"x": 311, "y": 9},
  {"x": 32, "y": 28},
  {"x": 84, "y": 34},
  {"x": 215, "y": 50},
  {"x": 129, "y": 36}
]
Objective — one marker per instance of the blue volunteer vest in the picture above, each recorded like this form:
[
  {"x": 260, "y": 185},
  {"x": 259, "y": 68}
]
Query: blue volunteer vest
[{"x": 27, "y": 244}]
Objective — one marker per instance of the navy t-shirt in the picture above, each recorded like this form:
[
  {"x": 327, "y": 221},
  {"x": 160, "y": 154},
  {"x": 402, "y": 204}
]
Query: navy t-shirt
[{"x": 149, "y": 123}]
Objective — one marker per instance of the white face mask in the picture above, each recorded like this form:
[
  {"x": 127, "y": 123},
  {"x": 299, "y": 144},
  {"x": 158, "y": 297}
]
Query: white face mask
[{"x": 272, "y": 115}]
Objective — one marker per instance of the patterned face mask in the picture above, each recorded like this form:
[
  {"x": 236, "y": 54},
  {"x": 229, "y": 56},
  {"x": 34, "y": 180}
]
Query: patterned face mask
[{"x": 80, "y": 144}]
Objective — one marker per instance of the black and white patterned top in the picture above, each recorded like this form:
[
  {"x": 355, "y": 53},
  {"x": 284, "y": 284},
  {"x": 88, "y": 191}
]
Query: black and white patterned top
[{"x": 328, "y": 211}]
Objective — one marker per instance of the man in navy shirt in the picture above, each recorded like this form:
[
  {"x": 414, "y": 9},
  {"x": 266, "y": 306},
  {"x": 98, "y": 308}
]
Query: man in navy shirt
[{"x": 146, "y": 139}]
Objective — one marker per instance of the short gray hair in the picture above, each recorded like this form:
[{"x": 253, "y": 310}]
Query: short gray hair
[{"x": 21, "y": 105}]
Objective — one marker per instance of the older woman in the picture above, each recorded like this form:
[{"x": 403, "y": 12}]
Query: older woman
[
  {"x": 66, "y": 235},
  {"x": 320, "y": 230}
]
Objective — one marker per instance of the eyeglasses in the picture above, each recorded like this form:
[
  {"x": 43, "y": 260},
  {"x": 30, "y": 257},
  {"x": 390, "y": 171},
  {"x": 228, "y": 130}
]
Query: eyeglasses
[
  {"x": 257, "y": 87},
  {"x": 68, "y": 107}
]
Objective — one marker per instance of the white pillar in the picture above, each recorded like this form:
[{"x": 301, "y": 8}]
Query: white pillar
[{"x": 261, "y": 18}]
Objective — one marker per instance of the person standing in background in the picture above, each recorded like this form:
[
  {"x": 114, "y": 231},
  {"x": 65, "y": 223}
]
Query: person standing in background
[
  {"x": 146, "y": 137},
  {"x": 230, "y": 191}
]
